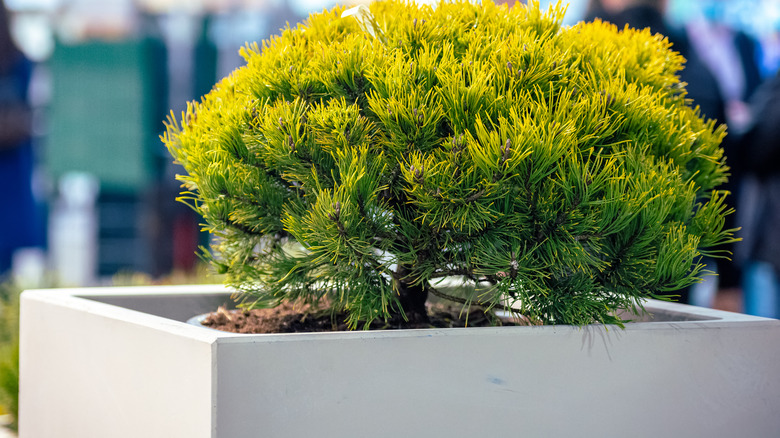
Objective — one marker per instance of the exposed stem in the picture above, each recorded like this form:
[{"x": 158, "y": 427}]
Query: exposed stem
[
  {"x": 454, "y": 272},
  {"x": 242, "y": 228},
  {"x": 617, "y": 259},
  {"x": 464, "y": 301},
  {"x": 475, "y": 196},
  {"x": 412, "y": 297}
]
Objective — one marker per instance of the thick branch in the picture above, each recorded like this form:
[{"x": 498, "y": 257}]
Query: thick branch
[
  {"x": 564, "y": 215},
  {"x": 464, "y": 301},
  {"x": 532, "y": 197},
  {"x": 617, "y": 260},
  {"x": 475, "y": 196},
  {"x": 240, "y": 227},
  {"x": 586, "y": 237},
  {"x": 455, "y": 272}
]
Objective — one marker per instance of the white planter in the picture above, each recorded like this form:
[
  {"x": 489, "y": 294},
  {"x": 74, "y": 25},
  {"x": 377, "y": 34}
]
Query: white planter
[{"x": 119, "y": 362}]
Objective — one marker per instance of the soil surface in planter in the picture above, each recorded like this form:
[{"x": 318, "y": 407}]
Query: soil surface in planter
[{"x": 289, "y": 318}]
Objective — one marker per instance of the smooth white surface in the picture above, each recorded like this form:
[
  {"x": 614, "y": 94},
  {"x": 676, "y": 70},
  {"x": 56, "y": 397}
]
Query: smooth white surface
[
  {"x": 125, "y": 373},
  {"x": 92, "y": 371}
]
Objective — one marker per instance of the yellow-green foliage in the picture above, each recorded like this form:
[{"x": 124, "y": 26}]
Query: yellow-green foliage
[
  {"x": 9, "y": 352},
  {"x": 559, "y": 169}
]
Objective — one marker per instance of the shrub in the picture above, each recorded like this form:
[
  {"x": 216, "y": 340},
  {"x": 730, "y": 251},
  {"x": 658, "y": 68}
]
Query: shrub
[
  {"x": 362, "y": 158},
  {"x": 9, "y": 351}
]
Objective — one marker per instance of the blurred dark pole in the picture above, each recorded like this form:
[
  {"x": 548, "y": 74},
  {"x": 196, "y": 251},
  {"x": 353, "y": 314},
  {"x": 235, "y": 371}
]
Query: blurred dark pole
[{"x": 20, "y": 222}]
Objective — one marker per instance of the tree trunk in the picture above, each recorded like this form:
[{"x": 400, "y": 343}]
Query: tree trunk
[{"x": 412, "y": 297}]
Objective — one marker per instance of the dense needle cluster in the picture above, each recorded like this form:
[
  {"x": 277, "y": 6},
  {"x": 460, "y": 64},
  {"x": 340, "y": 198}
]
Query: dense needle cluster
[{"x": 366, "y": 155}]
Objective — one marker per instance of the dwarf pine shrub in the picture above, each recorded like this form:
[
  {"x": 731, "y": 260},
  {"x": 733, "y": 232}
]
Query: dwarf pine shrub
[{"x": 365, "y": 155}]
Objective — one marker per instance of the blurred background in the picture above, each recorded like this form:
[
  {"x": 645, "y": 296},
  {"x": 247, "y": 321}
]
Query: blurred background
[{"x": 90, "y": 192}]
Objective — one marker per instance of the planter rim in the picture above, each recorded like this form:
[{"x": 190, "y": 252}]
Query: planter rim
[{"x": 88, "y": 299}]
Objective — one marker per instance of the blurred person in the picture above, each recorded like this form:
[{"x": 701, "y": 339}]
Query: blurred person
[
  {"x": 769, "y": 45},
  {"x": 18, "y": 216},
  {"x": 701, "y": 84},
  {"x": 733, "y": 57},
  {"x": 636, "y": 13},
  {"x": 760, "y": 204}
]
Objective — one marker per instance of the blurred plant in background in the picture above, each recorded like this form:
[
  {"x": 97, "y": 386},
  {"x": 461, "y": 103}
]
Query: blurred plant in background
[{"x": 9, "y": 351}]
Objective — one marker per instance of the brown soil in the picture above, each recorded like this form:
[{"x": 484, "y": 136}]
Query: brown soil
[{"x": 288, "y": 318}]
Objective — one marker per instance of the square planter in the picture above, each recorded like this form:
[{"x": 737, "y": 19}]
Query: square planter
[{"x": 121, "y": 362}]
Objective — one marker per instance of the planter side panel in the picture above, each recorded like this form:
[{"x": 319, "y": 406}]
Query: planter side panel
[
  {"x": 84, "y": 374},
  {"x": 528, "y": 382}
]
